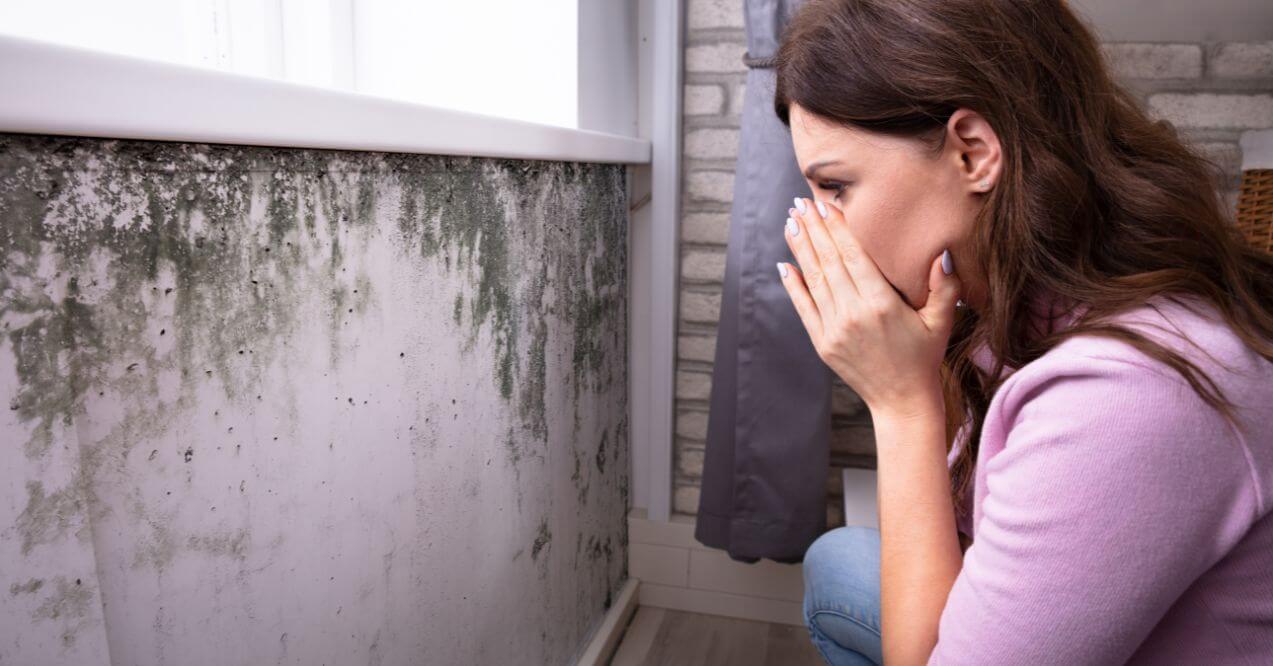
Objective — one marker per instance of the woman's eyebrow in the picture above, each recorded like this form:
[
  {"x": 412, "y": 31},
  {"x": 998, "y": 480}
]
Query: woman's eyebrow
[{"x": 810, "y": 170}]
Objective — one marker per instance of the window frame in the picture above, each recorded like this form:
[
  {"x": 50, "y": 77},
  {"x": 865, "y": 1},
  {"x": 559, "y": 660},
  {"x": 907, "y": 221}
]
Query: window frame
[{"x": 66, "y": 90}]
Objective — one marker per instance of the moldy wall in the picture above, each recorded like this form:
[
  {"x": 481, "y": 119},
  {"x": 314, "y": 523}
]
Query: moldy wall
[{"x": 274, "y": 406}]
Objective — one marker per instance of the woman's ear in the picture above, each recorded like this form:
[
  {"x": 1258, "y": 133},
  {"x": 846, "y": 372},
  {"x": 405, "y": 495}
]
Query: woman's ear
[{"x": 977, "y": 147}]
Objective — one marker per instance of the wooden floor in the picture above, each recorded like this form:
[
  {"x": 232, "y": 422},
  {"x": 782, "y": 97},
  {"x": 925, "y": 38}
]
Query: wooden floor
[{"x": 671, "y": 638}]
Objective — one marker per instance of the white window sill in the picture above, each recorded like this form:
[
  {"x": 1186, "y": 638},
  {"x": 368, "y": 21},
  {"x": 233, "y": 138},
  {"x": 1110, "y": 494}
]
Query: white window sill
[{"x": 54, "y": 89}]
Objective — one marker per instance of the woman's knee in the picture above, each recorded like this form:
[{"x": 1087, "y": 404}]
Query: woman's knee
[
  {"x": 844, "y": 552},
  {"x": 842, "y": 589}
]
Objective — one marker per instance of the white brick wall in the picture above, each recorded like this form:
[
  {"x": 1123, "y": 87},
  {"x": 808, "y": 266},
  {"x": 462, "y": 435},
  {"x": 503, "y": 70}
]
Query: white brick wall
[
  {"x": 696, "y": 348},
  {"x": 706, "y": 14},
  {"x": 703, "y": 265},
  {"x": 700, "y": 307},
  {"x": 710, "y": 186},
  {"x": 1214, "y": 110},
  {"x": 718, "y": 57},
  {"x": 1212, "y": 92},
  {"x": 704, "y": 100},
  {"x": 707, "y": 228},
  {"x": 1243, "y": 60},
  {"x": 1154, "y": 61},
  {"x": 712, "y": 143}
]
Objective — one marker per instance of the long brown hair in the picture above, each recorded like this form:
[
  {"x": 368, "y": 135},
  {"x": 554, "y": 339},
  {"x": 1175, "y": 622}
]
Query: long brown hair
[{"x": 1097, "y": 205}]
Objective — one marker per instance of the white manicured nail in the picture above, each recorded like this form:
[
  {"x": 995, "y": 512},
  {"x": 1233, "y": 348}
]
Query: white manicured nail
[
  {"x": 822, "y": 208},
  {"x": 792, "y": 228},
  {"x": 800, "y": 205},
  {"x": 782, "y": 269}
]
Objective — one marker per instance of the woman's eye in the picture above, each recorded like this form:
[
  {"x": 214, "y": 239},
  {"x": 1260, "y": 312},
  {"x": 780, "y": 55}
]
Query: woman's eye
[{"x": 832, "y": 187}]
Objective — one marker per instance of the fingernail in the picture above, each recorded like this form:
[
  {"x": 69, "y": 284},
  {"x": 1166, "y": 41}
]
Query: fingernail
[
  {"x": 822, "y": 208},
  {"x": 792, "y": 228},
  {"x": 782, "y": 269},
  {"x": 800, "y": 205},
  {"x": 947, "y": 264}
]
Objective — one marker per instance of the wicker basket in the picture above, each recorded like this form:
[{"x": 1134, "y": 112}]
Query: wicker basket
[{"x": 1255, "y": 208}]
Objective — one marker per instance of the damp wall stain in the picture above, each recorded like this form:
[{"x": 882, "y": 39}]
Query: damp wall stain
[{"x": 308, "y": 404}]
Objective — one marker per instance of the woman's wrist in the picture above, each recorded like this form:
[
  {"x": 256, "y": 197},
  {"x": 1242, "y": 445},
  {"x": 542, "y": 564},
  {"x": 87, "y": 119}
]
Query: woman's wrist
[{"x": 918, "y": 407}]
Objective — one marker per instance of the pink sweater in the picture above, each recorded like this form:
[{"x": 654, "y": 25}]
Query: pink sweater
[{"x": 1116, "y": 517}]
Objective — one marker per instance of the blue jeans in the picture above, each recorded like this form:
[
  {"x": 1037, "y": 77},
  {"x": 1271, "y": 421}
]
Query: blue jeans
[{"x": 842, "y": 595}]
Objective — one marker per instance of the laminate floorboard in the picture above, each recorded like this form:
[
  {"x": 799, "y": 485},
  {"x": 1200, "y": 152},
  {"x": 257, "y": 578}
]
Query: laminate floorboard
[{"x": 663, "y": 637}]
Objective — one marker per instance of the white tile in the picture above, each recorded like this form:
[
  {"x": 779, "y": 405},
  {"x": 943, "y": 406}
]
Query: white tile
[
  {"x": 666, "y": 565},
  {"x": 715, "y": 570},
  {"x": 677, "y": 532}
]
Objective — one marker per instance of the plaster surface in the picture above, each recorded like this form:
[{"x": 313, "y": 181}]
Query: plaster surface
[{"x": 308, "y": 407}]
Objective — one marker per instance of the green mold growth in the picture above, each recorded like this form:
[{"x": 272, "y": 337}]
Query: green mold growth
[
  {"x": 234, "y": 544},
  {"x": 48, "y": 517},
  {"x": 100, "y": 237},
  {"x": 69, "y": 602},
  {"x": 525, "y": 230},
  {"x": 513, "y": 453},
  {"x": 30, "y": 587}
]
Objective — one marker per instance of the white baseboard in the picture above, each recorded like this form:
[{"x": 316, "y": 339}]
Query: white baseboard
[{"x": 604, "y": 643}]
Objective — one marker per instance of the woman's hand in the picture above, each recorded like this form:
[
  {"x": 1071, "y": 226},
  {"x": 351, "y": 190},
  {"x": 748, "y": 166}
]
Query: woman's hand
[{"x": 886, "y": 351}]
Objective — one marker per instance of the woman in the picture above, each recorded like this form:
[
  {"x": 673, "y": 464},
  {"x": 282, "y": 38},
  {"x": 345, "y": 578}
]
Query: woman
[{"x": 1000, "y": 233}]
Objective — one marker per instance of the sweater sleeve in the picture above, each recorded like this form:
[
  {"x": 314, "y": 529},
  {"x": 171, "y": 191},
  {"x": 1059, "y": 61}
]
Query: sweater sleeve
[{"x": 1116, "y": 488}]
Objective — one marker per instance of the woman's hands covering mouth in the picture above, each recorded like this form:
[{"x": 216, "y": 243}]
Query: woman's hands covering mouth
[{"x": 888, "y": 352}]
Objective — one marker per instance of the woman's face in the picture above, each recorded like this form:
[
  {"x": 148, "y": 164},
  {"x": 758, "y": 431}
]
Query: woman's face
[{"x": 902, "y": 204}]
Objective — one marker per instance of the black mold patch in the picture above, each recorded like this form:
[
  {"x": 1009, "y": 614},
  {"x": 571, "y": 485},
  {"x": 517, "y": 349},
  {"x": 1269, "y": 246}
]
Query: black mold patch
[
  {"x": 541, "y": 539},
  {"x": 601, "y": 452}
]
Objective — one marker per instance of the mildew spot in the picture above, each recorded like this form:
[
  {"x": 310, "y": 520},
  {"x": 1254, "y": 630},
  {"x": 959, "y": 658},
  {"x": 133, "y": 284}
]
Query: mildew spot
[
  {"x": 234, "y": 544},
  {"x": 541, "y": 539},
  {"x": 69, "y": 602},
  {"x": 29, "y": 587},
  {"x": 601, "y": 452},
  {"x": 47, "y": 517},
  {"x": 211, "y": 243},
  {"x": 488, "y": 211}
]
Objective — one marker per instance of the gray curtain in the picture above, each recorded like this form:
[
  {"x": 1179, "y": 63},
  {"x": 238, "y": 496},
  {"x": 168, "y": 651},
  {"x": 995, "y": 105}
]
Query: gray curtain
[{"x": 763, "y": 490}]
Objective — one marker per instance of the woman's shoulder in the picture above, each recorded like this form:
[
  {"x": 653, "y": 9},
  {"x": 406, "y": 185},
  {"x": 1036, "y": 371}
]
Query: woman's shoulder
[
  {"x": 1190, "y": 326},
  {"x": 1103, "y": 393}
]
